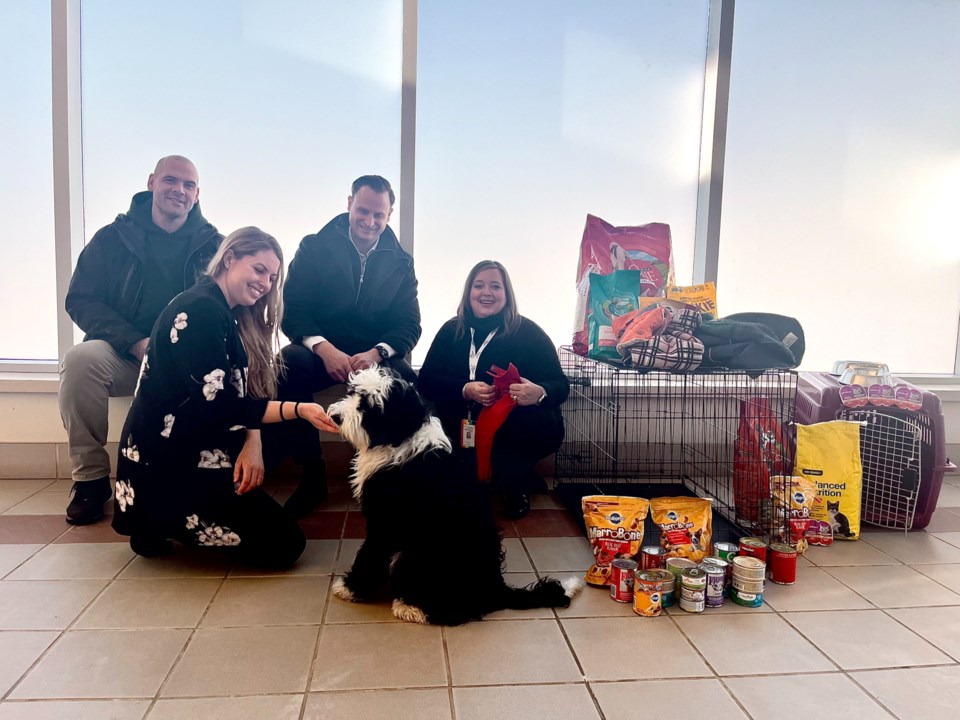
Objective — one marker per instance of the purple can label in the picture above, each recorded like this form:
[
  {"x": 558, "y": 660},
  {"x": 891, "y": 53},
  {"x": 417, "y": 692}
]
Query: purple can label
[
  {"x": 908, "y": 398},
  {"x": 853, "y": 396},
  {"x": 716, "y": 585}
]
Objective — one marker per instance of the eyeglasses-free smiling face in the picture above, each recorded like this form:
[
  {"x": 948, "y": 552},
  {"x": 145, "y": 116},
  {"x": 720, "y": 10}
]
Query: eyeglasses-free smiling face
[
  {"x": 248, "y": 278},
  {"x": 487, "y": 293},
  {"x": 369, "y": 211},
  {"x": 176, "y": 189}
]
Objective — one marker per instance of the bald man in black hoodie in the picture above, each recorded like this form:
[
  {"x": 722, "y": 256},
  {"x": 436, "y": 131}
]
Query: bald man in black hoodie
[{"x": 124, "y": 277}]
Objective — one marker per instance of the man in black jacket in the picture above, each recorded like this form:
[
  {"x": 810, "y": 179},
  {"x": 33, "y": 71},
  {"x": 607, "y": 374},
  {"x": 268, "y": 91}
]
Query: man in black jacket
[
  {"x": 350, "y": 301},
  {"x": 124, "y": 277}
]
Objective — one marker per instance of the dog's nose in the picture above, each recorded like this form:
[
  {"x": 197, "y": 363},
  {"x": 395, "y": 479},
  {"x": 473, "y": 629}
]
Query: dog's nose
[{"x": 333, "y": 412}]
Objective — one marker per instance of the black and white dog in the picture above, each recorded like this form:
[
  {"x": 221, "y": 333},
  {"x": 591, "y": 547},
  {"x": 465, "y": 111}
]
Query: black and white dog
[{"x": 431, "y": 534}]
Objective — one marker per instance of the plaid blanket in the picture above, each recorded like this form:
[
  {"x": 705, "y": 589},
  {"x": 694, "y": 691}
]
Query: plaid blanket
[{"x": 660, "y": 338}]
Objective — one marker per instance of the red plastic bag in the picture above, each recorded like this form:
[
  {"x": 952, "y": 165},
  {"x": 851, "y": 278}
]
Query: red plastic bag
[{"x": 759, "y": 453}]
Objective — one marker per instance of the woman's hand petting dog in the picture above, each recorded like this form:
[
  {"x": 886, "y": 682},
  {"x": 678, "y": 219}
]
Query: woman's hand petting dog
[{"x": 316, "y": 416}]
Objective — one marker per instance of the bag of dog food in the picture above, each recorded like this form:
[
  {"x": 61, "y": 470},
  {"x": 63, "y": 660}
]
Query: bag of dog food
[
  {"x": 702, "y": 297},
  {"x": 795, "y": 497},
  {"x": 606, "y": 249},
  {"x": 615, "y": 529},
  {"x": 758, "y": 453},
  {"x": 686, "y": 524},
  {"x": 611, "y": 296},
  {"x": 828, "y": 454}
]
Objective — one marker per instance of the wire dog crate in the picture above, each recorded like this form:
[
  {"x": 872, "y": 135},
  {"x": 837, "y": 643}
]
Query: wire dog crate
[{"x": 658, "y": 433}]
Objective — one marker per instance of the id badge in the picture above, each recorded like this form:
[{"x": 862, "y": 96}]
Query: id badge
[{"x": 468, "y": 433}]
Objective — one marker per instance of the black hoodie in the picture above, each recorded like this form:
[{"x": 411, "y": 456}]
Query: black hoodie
[{"x": 106, "y": 294}]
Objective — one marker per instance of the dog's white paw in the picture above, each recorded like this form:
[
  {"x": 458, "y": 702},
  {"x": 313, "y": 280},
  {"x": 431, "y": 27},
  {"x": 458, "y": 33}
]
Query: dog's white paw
[
  {"x": 571, "y": 586},
  {"x": 341, "y": 590},
  {"x": 408, "y": 613}
]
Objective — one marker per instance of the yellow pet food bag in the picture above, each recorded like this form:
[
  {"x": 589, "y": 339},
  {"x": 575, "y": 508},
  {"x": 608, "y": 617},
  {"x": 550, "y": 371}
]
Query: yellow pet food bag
[
  {"x": 614, "y": 529},
  {"x": 828, "y": 453},
  {"x": 686, "y": 524},
  {"x": 703, "y": 297}
]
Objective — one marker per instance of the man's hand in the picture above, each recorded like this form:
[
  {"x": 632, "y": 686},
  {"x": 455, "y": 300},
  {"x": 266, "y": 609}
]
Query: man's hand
[
  {"x": 480, "y": 392},
  {"x": 248, "y": 470},
  {"x": 336, "y": 363},
  {"x": 139, "y": 348},
  {"x": 361, "y": 361}
]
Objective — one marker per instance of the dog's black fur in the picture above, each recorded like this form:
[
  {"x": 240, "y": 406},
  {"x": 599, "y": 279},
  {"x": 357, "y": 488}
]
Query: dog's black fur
[{"x": 431, "y": 534}]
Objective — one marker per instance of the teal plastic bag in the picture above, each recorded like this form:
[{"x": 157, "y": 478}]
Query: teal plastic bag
[{"x": 610, "y": 296}]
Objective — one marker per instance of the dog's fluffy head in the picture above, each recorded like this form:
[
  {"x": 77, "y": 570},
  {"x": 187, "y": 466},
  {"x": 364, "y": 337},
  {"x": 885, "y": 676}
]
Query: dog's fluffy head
[
  {"x": 380, "y": 408},
  {"x": 386, "y": 420}
]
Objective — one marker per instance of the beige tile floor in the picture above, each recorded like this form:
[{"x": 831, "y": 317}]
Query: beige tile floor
[{"x": 90, "y": 631}]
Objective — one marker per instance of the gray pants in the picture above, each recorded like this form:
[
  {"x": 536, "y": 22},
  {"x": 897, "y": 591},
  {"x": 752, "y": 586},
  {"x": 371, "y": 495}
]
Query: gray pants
[{"x": 91, "y": 373}]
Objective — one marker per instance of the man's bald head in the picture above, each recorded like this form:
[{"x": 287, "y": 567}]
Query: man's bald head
[{"x": 175, "y": 184}]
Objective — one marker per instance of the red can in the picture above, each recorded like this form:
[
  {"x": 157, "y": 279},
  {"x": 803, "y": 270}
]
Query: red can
[
  {"x": 621, "y": 579},
  {"x": 753, "y": 547},
  {"x": 653, "y": 557},
  {"x": 782, "y": 568}
]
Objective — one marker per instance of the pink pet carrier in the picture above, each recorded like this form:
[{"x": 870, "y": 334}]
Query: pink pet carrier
[{"x": 903, "y": 452}]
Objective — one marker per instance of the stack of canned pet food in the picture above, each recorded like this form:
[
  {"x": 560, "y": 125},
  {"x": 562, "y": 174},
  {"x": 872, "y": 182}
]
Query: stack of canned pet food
[
  {"x": 736, "y": 571},
  {"x": 748, "y": 574},
  {"x": 653, "y": 587}
]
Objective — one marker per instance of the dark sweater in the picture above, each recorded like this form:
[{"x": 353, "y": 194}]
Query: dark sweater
[{"x": 446, "y": 368}]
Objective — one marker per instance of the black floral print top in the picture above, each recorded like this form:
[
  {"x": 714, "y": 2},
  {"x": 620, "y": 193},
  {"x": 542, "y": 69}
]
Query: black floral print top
[{"x": 188, "y": 419}]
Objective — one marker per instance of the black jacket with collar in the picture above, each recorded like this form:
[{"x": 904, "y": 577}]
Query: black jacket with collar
[
  {"x": 323, "y": 294},
  {"x": 106, "y": 285}
]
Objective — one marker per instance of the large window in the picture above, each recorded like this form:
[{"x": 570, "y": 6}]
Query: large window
[
  {"x": 281, "y": 105},
  {"x": 842, "y": 177},
  {"x": 28, "y": 292},
  {"x": 842, "y": 149},
  {"x": 531, "y": 115}
]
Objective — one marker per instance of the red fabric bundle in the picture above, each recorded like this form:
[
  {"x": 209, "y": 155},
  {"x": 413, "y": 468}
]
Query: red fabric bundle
[{"x": 493, "y": 416}]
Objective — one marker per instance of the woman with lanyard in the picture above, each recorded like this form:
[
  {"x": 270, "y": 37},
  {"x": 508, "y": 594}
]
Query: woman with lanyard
[{"x": 488, "y": 333}]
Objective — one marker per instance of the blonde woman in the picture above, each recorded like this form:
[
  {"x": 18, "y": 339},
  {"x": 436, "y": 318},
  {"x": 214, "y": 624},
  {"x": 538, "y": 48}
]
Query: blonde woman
[{"x": 190, "y": 464}]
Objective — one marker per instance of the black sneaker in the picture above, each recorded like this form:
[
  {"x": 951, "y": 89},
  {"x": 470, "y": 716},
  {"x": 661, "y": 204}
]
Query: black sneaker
[
  {"x": 310, "y": 492},
  {"x": 86, "y": 507}
]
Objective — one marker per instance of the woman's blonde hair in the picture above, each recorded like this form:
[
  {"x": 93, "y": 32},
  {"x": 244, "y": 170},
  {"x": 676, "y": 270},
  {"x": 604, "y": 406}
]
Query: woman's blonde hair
[
  {"x": 259, "y": 323},
  {"x": 510, "y": 318}
]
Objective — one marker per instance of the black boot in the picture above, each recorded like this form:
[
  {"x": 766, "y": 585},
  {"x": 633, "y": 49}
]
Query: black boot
[
  {"x": 86, "y": 507},
  {"x": 310, "y": 492}
]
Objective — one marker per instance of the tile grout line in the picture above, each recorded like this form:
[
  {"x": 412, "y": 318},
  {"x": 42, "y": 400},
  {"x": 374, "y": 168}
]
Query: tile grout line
[
  {"x": 183, "y": 650},
  {"x": 844, "y": 671},
  {"x": 448, "y": 671},
  {"x": 323, "y": 617},
  {"x": 70, "y": 625}
]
